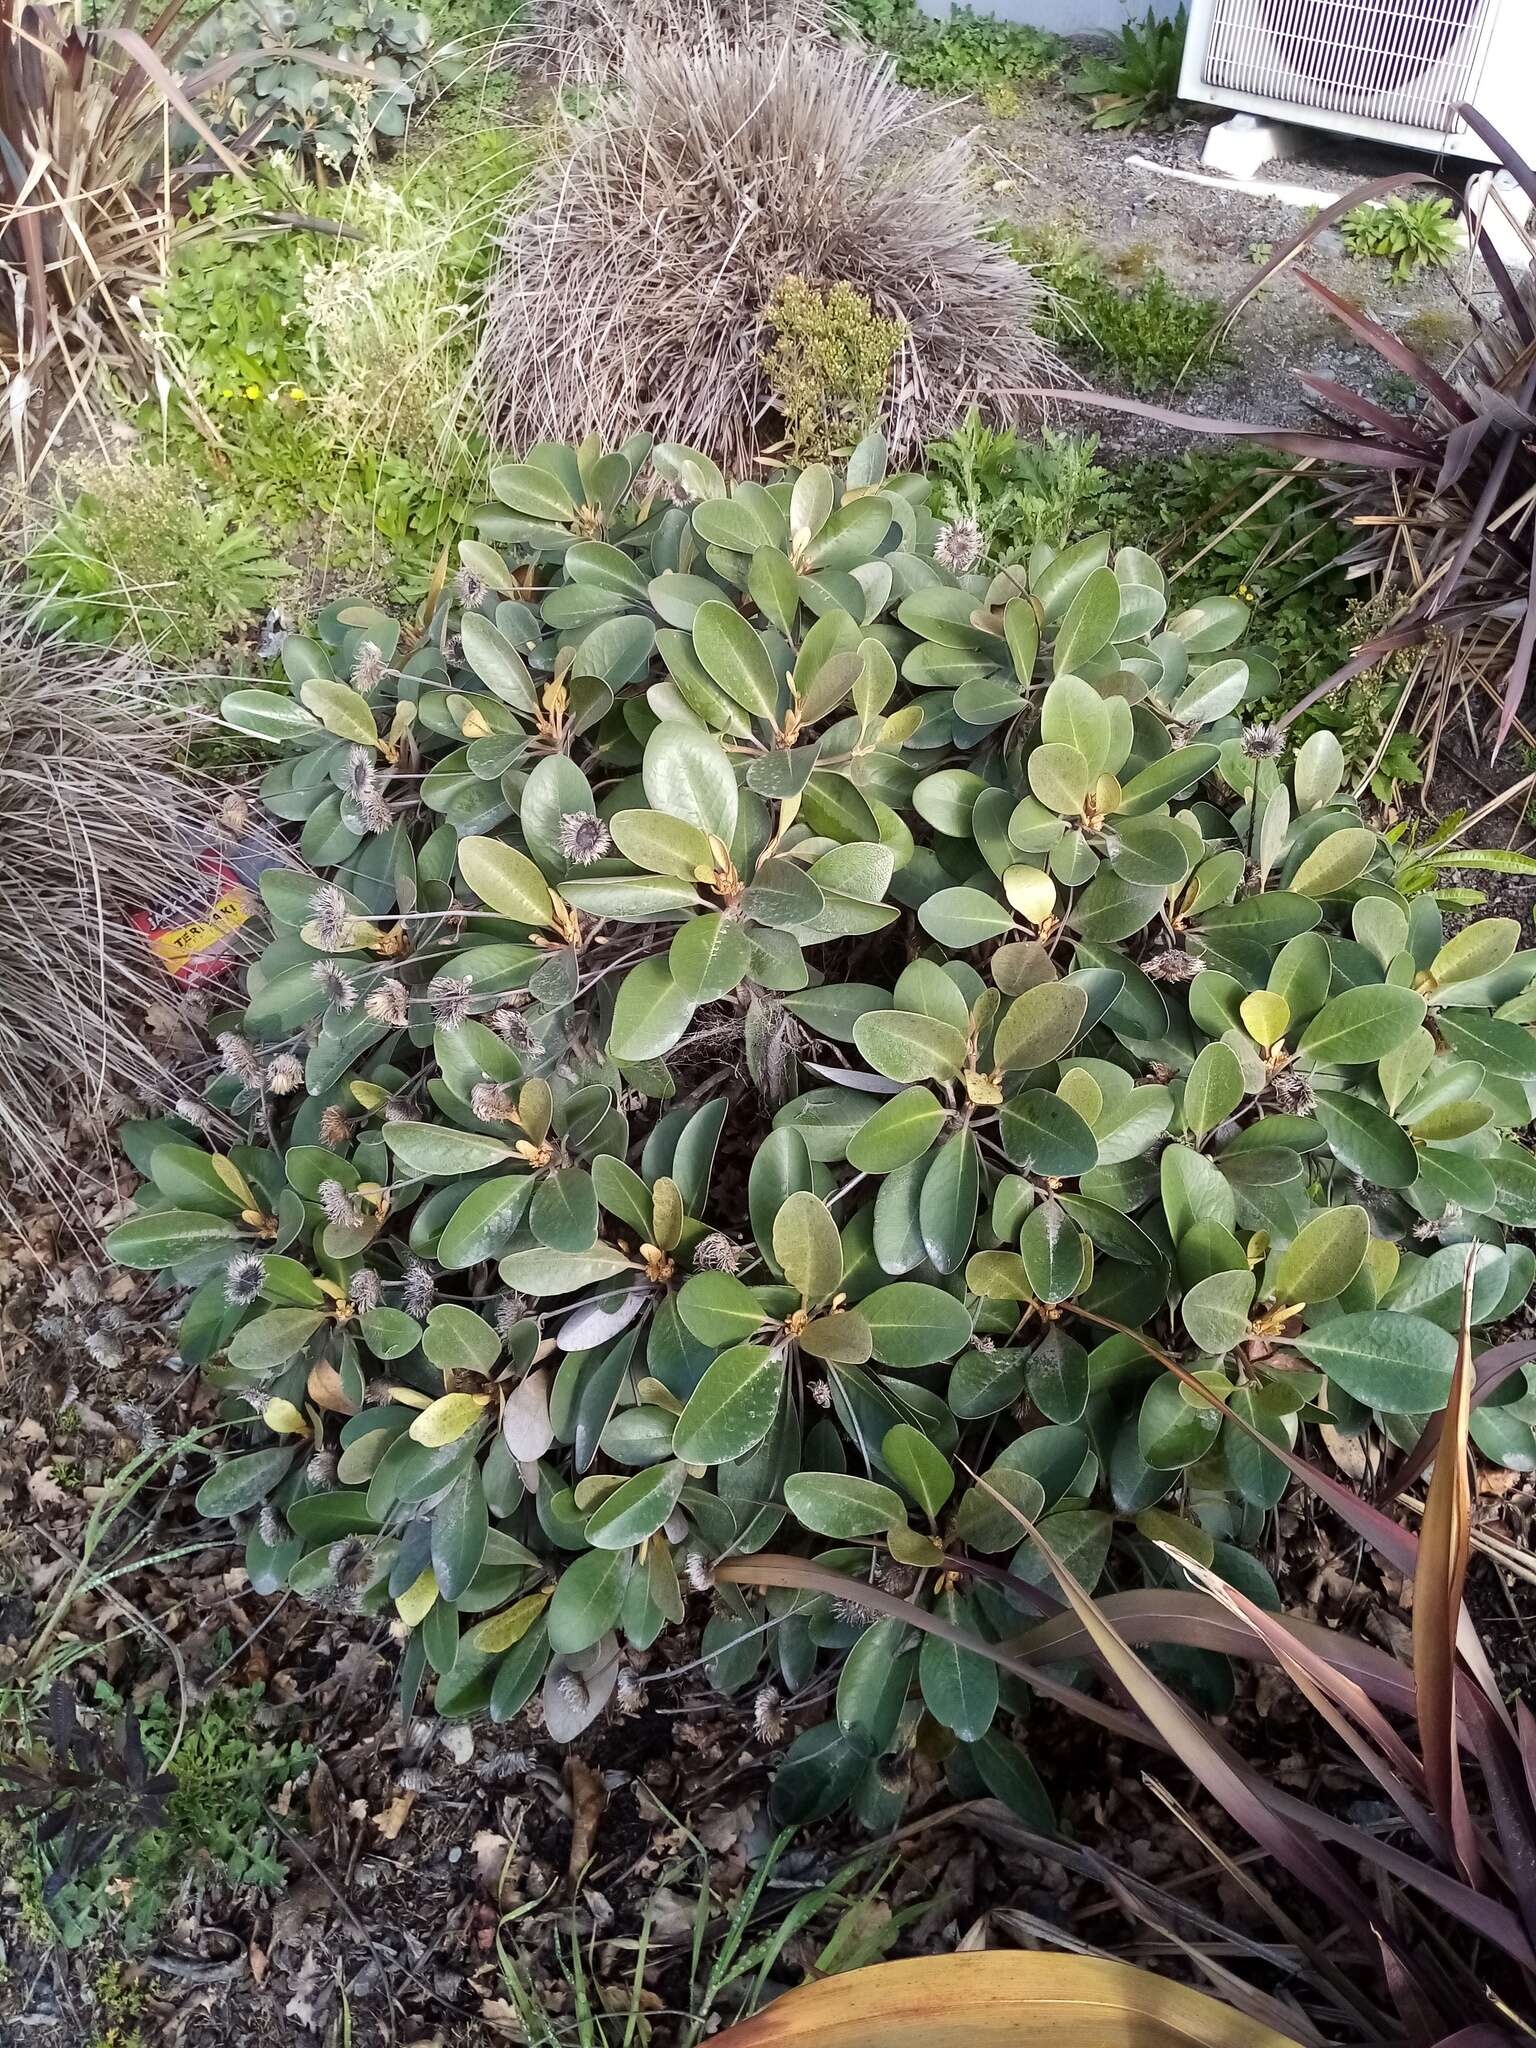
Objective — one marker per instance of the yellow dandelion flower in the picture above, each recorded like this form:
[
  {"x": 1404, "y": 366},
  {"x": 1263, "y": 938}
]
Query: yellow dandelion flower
[
  {"x": 253, "y": 391},
  {"x": 298, "y": 394}
]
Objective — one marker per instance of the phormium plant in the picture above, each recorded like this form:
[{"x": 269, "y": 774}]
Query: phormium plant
[{"x": 775, "y": 1013}]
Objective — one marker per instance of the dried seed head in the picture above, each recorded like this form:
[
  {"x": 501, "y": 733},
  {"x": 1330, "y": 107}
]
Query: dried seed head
[
  {"x": 335, "y": 1129},
  {"x": 768, "y": 1715},
  {"x": 508, "y": 1025},
  {"x": 628, "y": 1693},
  {"x": 416, "y": 1778},
  {"x": 895, "y": 1774},
  {"x": 583, "y": 838},
  {"x": 338, "y": 987},
  {"x": 339, "y": 1205},
  {"x": 718, "y": 1254},
  {"x": 573, "y": 1690},
  {"x": 191, "y": 1112},
  {"x": 285, "y": 1076},
  {"x": 320, "y": 1472},
  {"x": 332, "y": 917},
  {"x": 701, "y": 1573},
  {"x": 350, "y": 1562},
  {"x": 389, "y": 1003},
  {"x": 273, "y": 1529},
  {"x": 234, "y": 817},
  {"x": 450, "y": 995},
  {"x": 1292, "y": 1093},
  {"x": 1171, "y": 965},
  {"x": 420, "y": 1289},
  {"x": 849, "y": 1610},
  {"x": 1263, "y": 742},
  {"x": 510, "y": 1311},
  {"x": 237, "y": 1057},
  {"x": 959, "y": 546},
  {"x": 374, "y": 812},
  {"x": 470, "y": 589},
  {"x": 985, "y": 1345},
  {"x": 491, "y": 1102},
  {"x": 399, "y": 1109},
  {"x": 820, "y": 1392},
  {"x": 365, "y": 1290},
  {"x": 244, "y": 1278},
  {"x": 367, "y": 667}
]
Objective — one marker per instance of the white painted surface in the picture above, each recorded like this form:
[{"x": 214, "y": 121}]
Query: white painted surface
[{"x": 1066, "y": 17}]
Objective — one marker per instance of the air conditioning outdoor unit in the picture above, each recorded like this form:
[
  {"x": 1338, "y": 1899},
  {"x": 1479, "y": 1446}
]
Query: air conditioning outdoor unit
[{"x": 1395, "y": 70}]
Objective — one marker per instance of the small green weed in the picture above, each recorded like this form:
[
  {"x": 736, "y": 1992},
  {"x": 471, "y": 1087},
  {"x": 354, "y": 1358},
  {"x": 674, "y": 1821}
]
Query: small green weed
[
  {"x": 1019, "y": 492},
  {"x": 829, "y": 364},
  {"x": 127, "y": 1828},
  {"x": 143, "y": 557},
  {"x": 1409, "y": 234},
  {"x": 1150, "y": 334},
  {"x": 1137, "y": 84},
  {"x": 968, "y": 53}
]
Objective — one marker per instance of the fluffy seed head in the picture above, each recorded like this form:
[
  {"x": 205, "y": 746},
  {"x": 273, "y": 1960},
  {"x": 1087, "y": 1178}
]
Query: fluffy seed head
[
  {"x": 583, "y": 838},
  {"x": 389, "y": 1003},
  {"x": 237, "y": 1057},
  {"x": 331, "y": 917},
  {"x": 339, "y": 1205},
  {"x": 335, "y": 1129},
  {"x": 273, "y": 1528},
  {"x": 959, "y": 546},
  {"x": 628, "y": 1692},
  {"x": 365, "y": 1290},
  {"x": 420, "y": 1289},
  {"x": 320, "y": 1472},
  {"x": 1292, "y": 1093},
  {"x": 470, "y": 590},
  {"x": 701, "y": 1573},
  {"x": 768, "y": 1715},
  {"x": 820, "y": 1392},
  {"x": 573, "y": 1690},
  {"x": 491, "y": 1102},
  {"x": 510, "y": 1311},
  {"x": 338, "y": 987},
  {"x": 508, "y": 1024},
  {"x": 637, "y": 275},
  {"x": 1263, "y": 742},
  {"x": 367, "y": 667},
  {"x": 450, "y": 997},
  {"x": 244, "y": 1278},
  {"x": 1171, "y": 965},
  {"x": 718, "y": 1254},
  {"x": 285, "y": 1076}
]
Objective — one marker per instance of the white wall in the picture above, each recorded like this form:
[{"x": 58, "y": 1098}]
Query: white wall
[{"x": 1067, "y": 17}]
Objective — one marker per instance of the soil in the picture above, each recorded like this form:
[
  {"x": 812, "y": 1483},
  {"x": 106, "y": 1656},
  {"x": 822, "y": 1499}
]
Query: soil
[{"x": 1052, "y": 170}]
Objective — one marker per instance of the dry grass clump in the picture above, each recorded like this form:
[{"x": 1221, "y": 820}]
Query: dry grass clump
[
  {"x": 90, "y": 812},
  {"x": 636, "y": 277},
  {"x": 583, "y": 42}
]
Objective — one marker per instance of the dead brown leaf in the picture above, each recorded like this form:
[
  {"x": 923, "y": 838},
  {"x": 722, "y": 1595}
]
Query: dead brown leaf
[
  {"x": 587, "y": 1796},
  {"x": 394, "y": 1816}
]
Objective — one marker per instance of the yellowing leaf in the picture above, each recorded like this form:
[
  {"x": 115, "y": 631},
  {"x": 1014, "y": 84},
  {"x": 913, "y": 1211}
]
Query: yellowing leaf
[
  {"x": 447, "y": 1418},
  {"x": 235, "y": 1181},
  {"x": 418, "y": 1599},
  {"x": 1265, "y": 1016},
  {"x": 283, "y": 1418},
  {"x": 502, "y": 1630}
]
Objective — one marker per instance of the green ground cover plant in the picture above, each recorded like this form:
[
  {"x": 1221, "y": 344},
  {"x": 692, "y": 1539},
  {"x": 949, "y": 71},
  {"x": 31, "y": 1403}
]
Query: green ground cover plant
[
  {"x": 120, "y": 1818},
  {"x": 968, "y": 52},
  {"x": 1148, "y": 335},
  {"x": 780, "y": 1036}
]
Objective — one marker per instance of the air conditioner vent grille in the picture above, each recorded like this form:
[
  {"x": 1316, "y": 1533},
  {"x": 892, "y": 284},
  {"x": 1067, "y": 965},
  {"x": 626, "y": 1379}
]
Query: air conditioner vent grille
[{"x": 1408, "y": 61}]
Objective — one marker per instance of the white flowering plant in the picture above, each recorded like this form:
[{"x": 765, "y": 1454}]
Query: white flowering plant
[{"x": 779, "y": 1033}]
